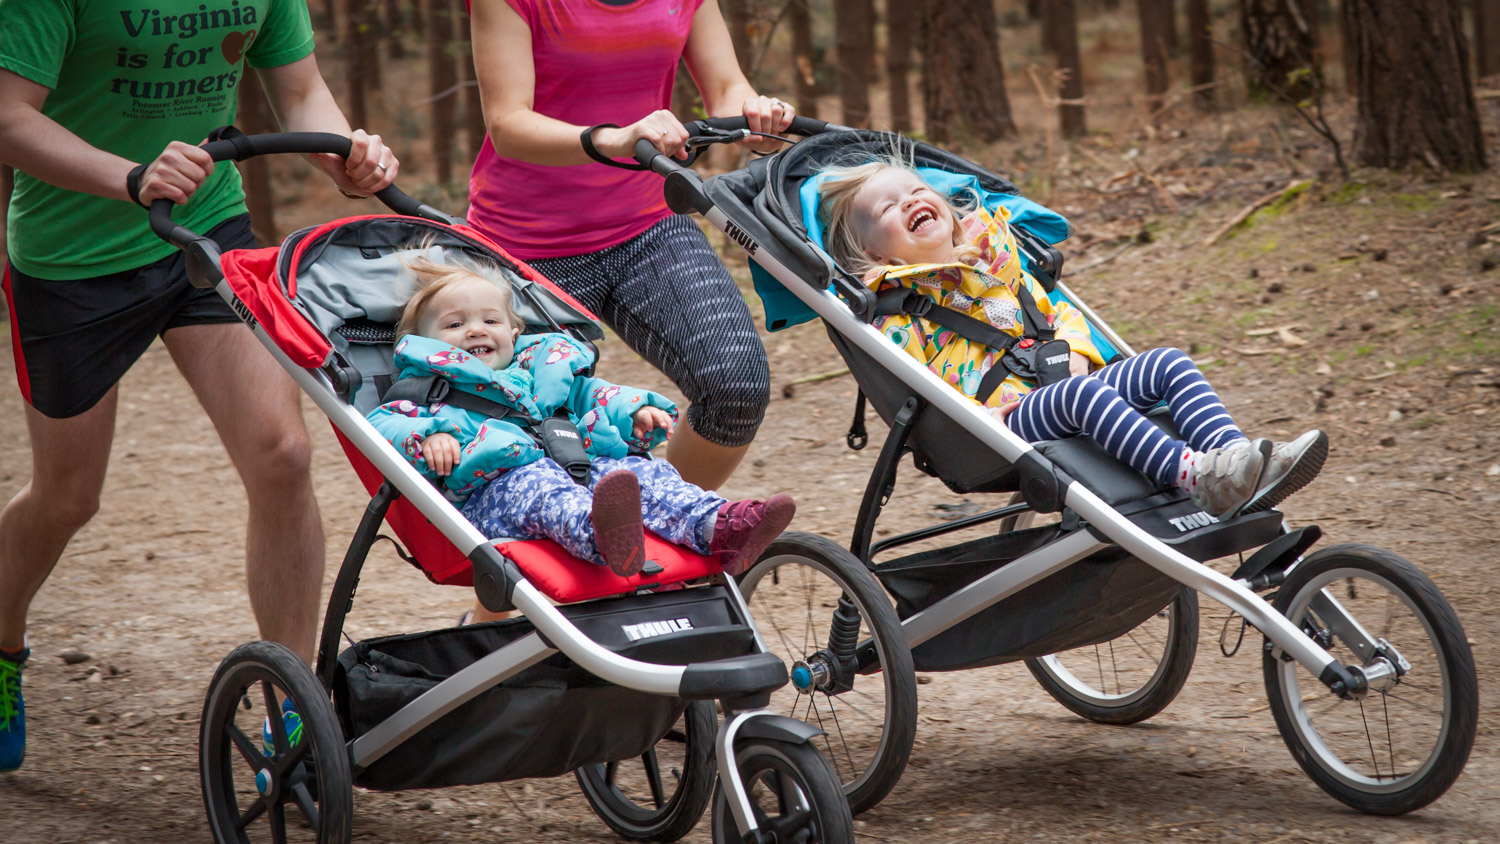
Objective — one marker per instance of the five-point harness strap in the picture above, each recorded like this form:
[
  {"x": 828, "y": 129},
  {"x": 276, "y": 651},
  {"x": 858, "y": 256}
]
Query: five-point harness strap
[{"x": 556, "y": 436}]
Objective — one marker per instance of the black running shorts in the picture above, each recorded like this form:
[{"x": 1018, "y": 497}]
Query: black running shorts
[{"x": 74, "y": 339}]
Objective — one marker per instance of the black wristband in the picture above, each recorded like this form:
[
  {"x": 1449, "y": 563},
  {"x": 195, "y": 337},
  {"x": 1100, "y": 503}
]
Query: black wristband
[
  {"x": 587, "y": 137},
  {"x": 133, "y": 184}
]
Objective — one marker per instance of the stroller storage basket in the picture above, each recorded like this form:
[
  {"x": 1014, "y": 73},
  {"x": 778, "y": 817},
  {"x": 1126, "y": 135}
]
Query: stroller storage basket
[
  {"x": 1091, "y": 601},
  {"x": 545, "y": 721}
]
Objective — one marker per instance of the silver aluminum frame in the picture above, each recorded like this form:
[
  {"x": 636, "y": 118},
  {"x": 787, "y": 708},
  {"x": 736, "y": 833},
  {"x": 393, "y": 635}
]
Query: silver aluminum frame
[
  {"x": 551, "y": 625},
  {"x": 1100, "y": 516}
]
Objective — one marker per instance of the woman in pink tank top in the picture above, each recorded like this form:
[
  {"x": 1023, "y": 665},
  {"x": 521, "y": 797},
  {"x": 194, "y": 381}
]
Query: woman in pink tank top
[{"x": 550, "y": 69}]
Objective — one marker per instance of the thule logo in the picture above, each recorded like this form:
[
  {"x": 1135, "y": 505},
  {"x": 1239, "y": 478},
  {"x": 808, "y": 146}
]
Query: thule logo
[
  {"x": 244, "y": 313},
  {"x": 739, "y": 236},
  {"x": 564, "y": 432},
  {"x": 648, "y": 629},
  {"x": 1056, "y": 359},
  {"x": 1192, "y": 521}
]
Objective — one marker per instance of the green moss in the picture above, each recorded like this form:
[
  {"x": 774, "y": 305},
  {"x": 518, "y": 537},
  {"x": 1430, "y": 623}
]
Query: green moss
[
  {"x": 1415, "y": 203},
  {"x": 1348, "y": 192},
  {"x": 1363, "y": 351},
  {"x": 1428, "y": 420}
]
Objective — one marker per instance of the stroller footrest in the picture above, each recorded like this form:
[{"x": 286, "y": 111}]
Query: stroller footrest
[{"x": 737, "y": 675}]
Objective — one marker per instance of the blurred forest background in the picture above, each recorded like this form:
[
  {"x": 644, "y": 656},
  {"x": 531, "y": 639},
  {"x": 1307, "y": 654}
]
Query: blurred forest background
[{"x": 1379, "y": 83}]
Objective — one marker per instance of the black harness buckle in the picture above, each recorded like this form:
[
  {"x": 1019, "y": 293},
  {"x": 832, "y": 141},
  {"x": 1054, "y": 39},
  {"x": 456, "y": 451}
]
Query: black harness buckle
[{"x": 563, "y": 443}]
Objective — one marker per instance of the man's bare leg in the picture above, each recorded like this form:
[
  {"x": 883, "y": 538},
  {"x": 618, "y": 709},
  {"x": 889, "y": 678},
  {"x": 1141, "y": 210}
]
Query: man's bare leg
[
  {"x": 255, "y": 407},
  {"x": 68, "y": 462}
]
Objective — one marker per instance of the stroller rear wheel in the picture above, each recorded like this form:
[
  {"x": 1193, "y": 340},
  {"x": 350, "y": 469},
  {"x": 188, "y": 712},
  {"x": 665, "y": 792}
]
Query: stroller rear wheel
[
  {"x": 794, "y": 793},
  {"x": 262, "y": 689},
  {"x": 815, "y": 603},
  {"x": 632, "y": 797},
  {"x": 1400, "y": 744},
  {"x": 1129, "y": 678}
]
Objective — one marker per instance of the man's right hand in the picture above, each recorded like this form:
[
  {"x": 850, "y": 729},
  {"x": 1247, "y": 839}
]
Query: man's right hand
[{"x": 176, "y": 173}]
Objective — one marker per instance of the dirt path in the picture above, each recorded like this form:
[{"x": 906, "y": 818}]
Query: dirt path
[{"x": 153, "y": 589}]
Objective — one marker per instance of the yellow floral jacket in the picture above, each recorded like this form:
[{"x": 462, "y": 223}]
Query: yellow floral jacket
[{"x": 986, "y": 291}]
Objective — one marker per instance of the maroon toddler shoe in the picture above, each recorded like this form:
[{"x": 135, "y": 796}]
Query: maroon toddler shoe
[
  {"x": 616, "y": 515},
  {"x": 743, "y": 529}
]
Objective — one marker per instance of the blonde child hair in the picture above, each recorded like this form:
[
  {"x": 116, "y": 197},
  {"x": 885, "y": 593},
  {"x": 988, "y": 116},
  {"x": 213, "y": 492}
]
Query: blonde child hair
[
  {"x": 433, "y": 277},
  {"x": 836, "y": 210}
]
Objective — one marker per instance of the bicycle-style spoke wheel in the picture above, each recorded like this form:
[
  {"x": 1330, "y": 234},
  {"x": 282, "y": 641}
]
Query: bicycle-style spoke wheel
[
  {"x": 1129, "y": 678},
  {"x": 660, "y": 795},
  {"x": 271, "y": 756},
  {"x": 819, "y": 609},
  {"x": 1402, "y": 742}
]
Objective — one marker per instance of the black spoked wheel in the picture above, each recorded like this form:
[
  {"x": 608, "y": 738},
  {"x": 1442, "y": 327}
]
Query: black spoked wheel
[
  {"x": 298, "y": 788},
  {"x": 1402, "y": 743},
  {"x": 826, "y": 615},
  {"x": 1129, "y": 678},
  {"x": 661, "y": 795},
  {"x": 794, "y": 793}
]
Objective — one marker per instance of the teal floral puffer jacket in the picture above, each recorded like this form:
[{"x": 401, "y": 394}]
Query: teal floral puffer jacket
[{"x": 545, "y": 375}]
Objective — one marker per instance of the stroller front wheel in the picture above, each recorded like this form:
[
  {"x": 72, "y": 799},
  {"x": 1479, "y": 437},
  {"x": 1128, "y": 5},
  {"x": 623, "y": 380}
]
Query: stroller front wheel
[
  {"x": 269, "y": 740},
  {"x": 660, "y": 796},
  {"x": 794, "y": 793},
  {"x": 1400, "y": 744}
]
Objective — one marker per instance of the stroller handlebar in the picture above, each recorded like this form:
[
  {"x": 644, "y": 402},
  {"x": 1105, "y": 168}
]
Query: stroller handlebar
[
  {"x": 241, "y": 147},
  {"x": 718, "y": 130}
]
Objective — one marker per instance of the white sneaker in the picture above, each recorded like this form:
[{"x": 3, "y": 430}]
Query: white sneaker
[
  {"x": 1228, "y": 478},
  {"x": 1292, "y": 466}
]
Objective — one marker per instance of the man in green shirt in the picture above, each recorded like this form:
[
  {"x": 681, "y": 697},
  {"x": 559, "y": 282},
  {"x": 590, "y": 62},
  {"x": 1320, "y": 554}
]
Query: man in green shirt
[{"x": 89, "y": 88}]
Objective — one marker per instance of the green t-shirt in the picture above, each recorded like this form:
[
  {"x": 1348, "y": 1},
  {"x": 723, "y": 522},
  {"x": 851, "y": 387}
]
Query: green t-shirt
[{"x": 129, "y": 76}]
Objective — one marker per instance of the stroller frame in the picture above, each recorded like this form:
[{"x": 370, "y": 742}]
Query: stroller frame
[
  {"x": 1091, "y": 524},
  {"x": 741, "y": 684}
]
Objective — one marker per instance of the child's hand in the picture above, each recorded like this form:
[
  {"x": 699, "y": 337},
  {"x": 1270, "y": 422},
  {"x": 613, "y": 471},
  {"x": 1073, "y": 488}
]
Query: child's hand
[
  {"x": 1004, "y": 410},
  {"x": 1078, "y": 364},
  {"x": 441, "y": 451},
  {"x": 648, "y": 419}
]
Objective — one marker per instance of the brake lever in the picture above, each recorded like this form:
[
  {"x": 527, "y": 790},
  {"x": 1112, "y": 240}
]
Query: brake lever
[{"x": 707, "y": 136}]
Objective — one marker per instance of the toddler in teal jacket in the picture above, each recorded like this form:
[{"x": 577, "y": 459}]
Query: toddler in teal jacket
[{"x": 460, "y": 325}]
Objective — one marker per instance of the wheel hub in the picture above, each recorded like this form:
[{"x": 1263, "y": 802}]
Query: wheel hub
[{"x": 263, "y": 781}]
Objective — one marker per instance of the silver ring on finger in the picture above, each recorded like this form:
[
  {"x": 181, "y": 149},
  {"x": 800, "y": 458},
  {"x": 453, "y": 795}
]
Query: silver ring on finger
[{"x": 381, "y": 166}]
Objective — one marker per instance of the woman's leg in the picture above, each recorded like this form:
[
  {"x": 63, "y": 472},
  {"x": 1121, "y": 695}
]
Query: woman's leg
[
  {"x": 671, "y": 508},
  {"x": 537, "y": 500},
  {"x": 1170, "y": 375},
  {"x": 669, "y": 297}
]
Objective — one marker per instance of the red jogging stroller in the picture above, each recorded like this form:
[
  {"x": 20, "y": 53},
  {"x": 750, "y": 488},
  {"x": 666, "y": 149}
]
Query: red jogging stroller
[{"x": 615, "y": 683}]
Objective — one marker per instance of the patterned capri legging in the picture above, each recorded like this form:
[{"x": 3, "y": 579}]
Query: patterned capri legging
[
  {"x": 541, "y": 500},
  {"x": 1108, "y": 405},
  {"x": 670, "y": 299}
]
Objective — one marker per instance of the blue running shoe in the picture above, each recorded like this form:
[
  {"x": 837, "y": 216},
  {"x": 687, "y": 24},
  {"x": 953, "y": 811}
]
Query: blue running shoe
[
  {"x": 291, "y": 719},
  {"x": 12, "y": 711}
]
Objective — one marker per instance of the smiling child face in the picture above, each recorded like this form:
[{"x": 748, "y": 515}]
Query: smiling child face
[
  {"x": 900, "y": 219},
  {"x": 470, "y": 314}
]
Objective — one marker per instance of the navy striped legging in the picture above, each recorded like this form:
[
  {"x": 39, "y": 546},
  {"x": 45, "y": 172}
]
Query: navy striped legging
[{"x": 1107, "y": 405}]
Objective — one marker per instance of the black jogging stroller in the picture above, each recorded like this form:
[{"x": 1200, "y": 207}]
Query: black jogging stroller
[
  {"x": 1101, "y": 604},
  {"x": 616, "y": 682}
]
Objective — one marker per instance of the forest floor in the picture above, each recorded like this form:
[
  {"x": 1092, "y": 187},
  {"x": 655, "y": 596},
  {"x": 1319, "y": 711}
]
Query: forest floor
[{"x": 1368, "y": 308}]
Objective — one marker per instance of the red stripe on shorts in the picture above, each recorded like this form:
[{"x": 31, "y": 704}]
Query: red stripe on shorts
[{"x": 15, "y": 337}]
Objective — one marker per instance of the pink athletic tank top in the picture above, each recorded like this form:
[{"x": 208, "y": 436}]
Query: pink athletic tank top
[{"x": 596, "y": 62}]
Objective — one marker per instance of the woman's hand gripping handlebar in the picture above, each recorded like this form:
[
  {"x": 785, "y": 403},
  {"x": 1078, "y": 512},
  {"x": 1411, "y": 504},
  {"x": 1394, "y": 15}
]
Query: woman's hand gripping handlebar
[
  {"x": 719, "y": 130},
  {"x": 239, "y": 147}
]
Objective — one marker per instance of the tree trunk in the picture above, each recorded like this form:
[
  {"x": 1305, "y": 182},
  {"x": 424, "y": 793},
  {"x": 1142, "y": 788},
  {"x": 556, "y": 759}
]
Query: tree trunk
[
  {"x": 1281, "y": 43},
  {"x": 1154, "y": 52},
  {"x": 963, "y": 81},
  {"x": 686, "y": 103},
  {"x": 440, "y": 80},
  {"x": 331, "y": 21},
  {"x": 804, "y": 63},
  {"x": 394, "y": 29},
  {"x": 1060, "y": 37},
  {"x": 1487, "y": 36},
  {"x": 853, "y": 54},
  {"x": 255, "y": 117},
  {"x": 901, "y": 23},
  {"x": 418, "y": 18},
  {"x": 1168, "y": 12},
  {"x": 354, "y": 70},
  {"x": 1416, "y": 100},
  {"x": 474, "y": 130},
  {"x": 737, "y": 17},
  {"x": 1200, "y": 34}
]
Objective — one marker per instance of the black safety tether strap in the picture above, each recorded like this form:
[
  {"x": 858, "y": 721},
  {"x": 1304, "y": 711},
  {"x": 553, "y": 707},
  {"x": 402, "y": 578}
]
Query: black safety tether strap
[{"x": 556, "y": 436}]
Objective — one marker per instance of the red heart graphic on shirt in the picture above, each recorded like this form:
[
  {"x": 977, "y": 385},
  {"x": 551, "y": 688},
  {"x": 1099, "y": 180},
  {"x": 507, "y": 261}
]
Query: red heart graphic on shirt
[{"x": 235, "y": 44}]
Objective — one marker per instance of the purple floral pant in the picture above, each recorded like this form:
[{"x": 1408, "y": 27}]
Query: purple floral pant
[{"x": 541, "y": 500}]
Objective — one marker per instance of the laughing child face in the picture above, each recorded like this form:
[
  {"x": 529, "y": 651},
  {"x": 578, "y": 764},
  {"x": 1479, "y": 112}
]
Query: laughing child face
[{"x": 900, "y": 219}]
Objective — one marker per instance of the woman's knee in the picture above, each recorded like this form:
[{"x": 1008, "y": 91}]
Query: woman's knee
[{"x": 730, "y": 413}]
